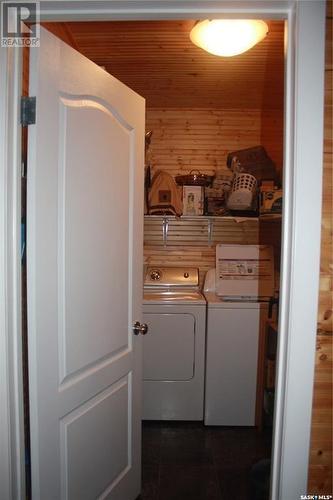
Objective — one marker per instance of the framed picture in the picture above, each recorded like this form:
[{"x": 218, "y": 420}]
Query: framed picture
[{"x": 193, "y": 200}]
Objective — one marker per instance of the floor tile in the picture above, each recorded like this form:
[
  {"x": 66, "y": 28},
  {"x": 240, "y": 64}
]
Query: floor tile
[
  {"x": 186, "y": 460},
  {"x": 188, "y": 482},
  {"x": 185, "y": 446},
  {"x": 234, "y": 483},
  {"x": 239, "y": 446},
  {"x": 151, "y": 444},
  {"x": 150, "y": 482}
]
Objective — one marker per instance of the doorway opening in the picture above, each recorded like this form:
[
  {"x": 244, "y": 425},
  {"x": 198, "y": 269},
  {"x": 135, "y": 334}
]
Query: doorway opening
[{"x": 199, "y": 109}]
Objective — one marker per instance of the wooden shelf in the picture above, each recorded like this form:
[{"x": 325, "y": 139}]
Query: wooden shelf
[
  {"x": 199, "y": 217},
  {"x": 199, "y": 231},
  {"x": 268, "y": 217}
]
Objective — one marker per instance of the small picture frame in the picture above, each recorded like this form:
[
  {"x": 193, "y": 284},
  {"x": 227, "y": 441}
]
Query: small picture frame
[{"x": 193, "y": 200}]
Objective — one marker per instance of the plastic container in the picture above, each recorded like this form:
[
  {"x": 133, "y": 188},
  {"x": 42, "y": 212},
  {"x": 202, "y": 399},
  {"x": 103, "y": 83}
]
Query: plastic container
[{"x": 242, "y": 194}]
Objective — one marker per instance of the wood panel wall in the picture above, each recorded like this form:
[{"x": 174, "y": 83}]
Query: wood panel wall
[
  {"x": 271, "y": 135},
  {"x": 320, "y": 467},
  {"x": 201, "y": 138}
]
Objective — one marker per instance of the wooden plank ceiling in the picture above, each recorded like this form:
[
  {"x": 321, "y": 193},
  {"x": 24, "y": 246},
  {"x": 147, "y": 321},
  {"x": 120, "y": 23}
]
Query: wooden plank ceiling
[{"x": 158, "y": 60}]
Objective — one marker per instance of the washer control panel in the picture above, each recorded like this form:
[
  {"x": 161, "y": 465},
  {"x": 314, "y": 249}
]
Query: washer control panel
[{"x": 172, "y": 277}]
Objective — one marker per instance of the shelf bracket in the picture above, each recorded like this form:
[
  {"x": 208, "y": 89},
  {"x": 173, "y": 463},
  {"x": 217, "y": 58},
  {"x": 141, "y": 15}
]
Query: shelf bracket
[
  {"x": 165, "y": 229},
  {"x": 210, "y": 231}
]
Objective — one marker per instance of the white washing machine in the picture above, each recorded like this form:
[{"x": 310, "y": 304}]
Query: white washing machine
[
  {"x": 235, "y": 316},
  {"x": 174, "y": 350}
]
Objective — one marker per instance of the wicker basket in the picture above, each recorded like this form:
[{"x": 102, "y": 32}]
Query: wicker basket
[{"x": 195, "y": 179}]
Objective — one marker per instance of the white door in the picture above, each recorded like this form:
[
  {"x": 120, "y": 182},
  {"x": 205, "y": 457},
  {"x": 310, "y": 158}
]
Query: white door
[{"x": 85, "y": 217}]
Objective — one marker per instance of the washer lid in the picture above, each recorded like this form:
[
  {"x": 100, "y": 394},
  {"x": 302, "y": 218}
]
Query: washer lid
[
  {"x": 216, "y": 302},
  {"x": 173, "y": 297},
  {"x": 185, "y": 277}
]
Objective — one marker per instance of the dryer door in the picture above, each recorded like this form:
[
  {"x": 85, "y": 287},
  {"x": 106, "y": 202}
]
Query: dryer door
[
  {"x": 168, "y": 350},
  {"x": 173, "y": 362}
]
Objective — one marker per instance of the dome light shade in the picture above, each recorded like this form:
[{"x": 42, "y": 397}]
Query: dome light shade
[{"x": 228, "y": 37}]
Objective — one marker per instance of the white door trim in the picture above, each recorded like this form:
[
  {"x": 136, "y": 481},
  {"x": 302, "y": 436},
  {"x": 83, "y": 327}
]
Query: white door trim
[
  {"x": 302, "y": 215},
  {"x": 12, "y": 471},
  {"x": 301, "y": 244}
]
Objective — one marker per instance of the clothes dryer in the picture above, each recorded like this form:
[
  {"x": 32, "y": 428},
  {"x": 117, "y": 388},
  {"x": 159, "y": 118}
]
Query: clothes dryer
[{"x": 174, "y": 351}]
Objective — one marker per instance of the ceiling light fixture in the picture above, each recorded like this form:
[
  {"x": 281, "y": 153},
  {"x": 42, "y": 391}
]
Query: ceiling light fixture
[{"x": 228, "y": 37}]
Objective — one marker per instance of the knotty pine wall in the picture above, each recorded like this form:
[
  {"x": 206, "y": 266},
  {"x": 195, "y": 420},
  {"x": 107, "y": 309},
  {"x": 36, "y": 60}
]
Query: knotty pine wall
[
  {"x": 320, "y": 467},
  {"x": 201, "y": 138}
]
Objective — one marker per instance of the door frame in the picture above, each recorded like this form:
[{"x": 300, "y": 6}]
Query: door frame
[
  {"x": 12, "y": 454},
  {"x": 303, "y": 148}
]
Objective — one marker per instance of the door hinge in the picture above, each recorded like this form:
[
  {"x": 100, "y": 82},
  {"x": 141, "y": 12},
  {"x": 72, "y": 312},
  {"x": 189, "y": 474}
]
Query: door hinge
[{"x": 28, "y": 111}]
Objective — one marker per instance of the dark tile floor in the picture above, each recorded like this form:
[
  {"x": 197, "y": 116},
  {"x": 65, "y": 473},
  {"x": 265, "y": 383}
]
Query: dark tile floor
[{"x": 187, "y": 460}]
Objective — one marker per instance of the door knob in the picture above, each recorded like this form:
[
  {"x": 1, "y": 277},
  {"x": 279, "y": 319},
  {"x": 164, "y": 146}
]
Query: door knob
[{"x": 140, "y": 328}]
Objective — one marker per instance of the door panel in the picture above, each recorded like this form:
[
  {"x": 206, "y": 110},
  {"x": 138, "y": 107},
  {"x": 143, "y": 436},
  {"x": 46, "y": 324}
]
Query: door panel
[
  {"x": 84, "y": 250},
  {"x": 88, "y": 192},
  {"x": 100, "y": 458}
]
